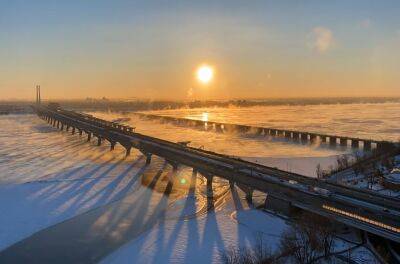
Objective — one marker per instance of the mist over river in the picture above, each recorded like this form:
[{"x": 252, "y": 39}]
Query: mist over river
[{"x": 375, "y": 121}]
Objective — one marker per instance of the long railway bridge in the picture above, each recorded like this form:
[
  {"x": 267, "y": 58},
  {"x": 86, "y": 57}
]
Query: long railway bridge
[
  {"x": 286, "y": 191},
  {"x": 295, "y": 135}
]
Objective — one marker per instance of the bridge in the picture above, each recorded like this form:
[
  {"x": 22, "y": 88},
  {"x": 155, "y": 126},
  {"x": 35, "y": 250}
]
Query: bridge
[
  {"x": 303, "y": 136},
  {"x": 286, "y": 192}
]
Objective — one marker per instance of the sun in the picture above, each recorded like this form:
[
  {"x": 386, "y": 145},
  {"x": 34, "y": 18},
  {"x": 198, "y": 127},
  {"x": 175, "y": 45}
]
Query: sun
[{"x": 205, "y": 74}]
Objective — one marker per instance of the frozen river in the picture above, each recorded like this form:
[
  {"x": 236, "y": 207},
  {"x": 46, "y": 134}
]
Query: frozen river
[
  {"x": 60, "y": 192},
  {"x": 375, "y": 121}
]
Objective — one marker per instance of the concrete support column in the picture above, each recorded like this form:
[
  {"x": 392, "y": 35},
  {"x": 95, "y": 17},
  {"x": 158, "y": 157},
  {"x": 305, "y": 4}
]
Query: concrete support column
[
  {"x": 192, "y": 188},
  {"x": 323, "y": 138},
  {"x": 231, "y": 184},
  {"x": 209, "y": 182},
  {"x": 148, "y": 158},
  {"x": 218, "y": 128},
  {"x": 62, "y": 126},
  {"x": 304, "y": 136},
  {"x": 128, "y": 151},
  {"x": 259, "y": 131},
  {"x": 332, "y": 141},
  {"x": 80, "y": 132},
  {"x": 343, "y": 141},
  {"x": 112, "y": 147},
  {"x": 288, "y": 134},
  {"x": 58, "y": 124},
  {"x": 73, "y": 130},
  {"x": 313, "y": 138},
  {"x": 89, "y": 136},
  {"x": 248, "y": 191},
  {"x": 98, "y": 141},
  {"x": 295, "y": 135}
]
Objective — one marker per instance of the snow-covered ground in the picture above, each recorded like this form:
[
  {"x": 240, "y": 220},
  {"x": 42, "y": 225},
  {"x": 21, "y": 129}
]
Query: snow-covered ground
[
  {"x": 50, "y": 178},
  {"x": 364, "y": 181}
]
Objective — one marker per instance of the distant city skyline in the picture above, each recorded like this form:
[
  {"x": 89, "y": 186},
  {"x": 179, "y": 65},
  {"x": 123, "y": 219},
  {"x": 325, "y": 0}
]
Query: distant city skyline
[{"x": 258, "y": 49}]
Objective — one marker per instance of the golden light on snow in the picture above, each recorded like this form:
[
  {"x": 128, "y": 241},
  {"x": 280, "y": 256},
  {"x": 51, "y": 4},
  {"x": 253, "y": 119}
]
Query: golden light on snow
[{"x": 205, "y": 74}]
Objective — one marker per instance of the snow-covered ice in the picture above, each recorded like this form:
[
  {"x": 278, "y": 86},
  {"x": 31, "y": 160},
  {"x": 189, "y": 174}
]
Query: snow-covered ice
[{"x": 48, "y": 177}]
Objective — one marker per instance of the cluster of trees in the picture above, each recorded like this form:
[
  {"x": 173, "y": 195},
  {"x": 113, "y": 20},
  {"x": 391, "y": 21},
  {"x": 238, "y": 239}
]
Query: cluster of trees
[
  {"x": 310, "y": 239},
  {"x": 371, "y": 164},
  {"x": 342, "y": 162}
]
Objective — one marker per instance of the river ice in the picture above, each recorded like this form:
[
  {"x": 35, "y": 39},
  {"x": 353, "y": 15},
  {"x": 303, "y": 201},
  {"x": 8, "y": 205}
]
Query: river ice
[{"x": 48, "y": 177}]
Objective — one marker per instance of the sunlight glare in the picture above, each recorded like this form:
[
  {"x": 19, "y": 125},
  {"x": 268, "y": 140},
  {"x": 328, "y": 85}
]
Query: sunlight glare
[{"x": 205, "y": 74}]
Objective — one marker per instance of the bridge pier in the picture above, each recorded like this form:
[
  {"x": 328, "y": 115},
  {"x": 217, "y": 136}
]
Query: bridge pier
[
  {"x": 218, "y": 128},
  {"x": 128, "y": 151},
  {"x": 173, "y": 164},
  {"x": 313, "y": 138},
  {"x": 231, "y": 184},
  {"x": 73, "y": 130},
  {"x": 343, "y": 141},
  {"x": 248, "y": 191},
  {"x": 193, "y": 180},
  {"x": 278, "y": 205},
  {"x": 295, "y": 135},
  {"x": 112, "y": 145},
  {"x": 98, "y": 141},
  {"x": 304, "y": 136},
  {"x": 209, "y": 179},
  {"x": 89, "y": 136},
  {"x": 80, "y": 132},
  {"x": 62, "y": 126},
  {"x": 259, "y": 131},
  {"x": 323, "y": 138},
  {"x": 148, "y": 158}
]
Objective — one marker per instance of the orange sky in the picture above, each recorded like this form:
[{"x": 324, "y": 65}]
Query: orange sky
[{"x": 151, "y": 50}]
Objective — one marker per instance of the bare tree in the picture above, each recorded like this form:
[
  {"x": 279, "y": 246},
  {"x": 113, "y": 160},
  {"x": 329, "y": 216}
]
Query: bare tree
[
  {"x": 319, "y": 171},
  {"x": 308, "y": 239}
]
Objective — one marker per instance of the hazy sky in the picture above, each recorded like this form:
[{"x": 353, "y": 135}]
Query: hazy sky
[{"x": 150, "y": 49}]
